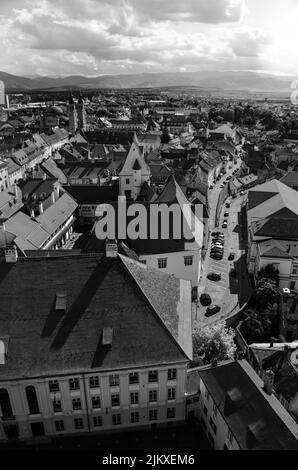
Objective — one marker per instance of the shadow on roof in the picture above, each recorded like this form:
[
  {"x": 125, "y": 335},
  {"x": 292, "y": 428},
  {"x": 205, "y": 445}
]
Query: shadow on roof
[{"x": 79, "y": 306}]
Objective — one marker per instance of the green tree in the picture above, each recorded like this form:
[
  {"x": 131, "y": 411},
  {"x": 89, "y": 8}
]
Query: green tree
[
  {"x": 269, "y": 272},
  {"x": 214, "y": 342}
]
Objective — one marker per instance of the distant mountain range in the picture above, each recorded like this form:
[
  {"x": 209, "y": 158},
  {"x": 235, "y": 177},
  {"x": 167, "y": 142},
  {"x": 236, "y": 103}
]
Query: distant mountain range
[{"x": 208, "y": 80}]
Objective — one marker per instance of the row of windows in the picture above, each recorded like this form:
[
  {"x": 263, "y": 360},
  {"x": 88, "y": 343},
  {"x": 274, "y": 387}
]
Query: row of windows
[
  {"x": 116, "y": 419},
  {"x": 115, "y": 400},
  {"x": 114, "y": 380},
  {"x": 163, "y": 262}
]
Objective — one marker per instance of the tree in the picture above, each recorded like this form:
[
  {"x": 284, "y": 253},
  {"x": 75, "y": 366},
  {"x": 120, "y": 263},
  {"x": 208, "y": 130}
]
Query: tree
[
  {"x": 214, "y": 342},
  {"x": 269, "y": 272},
  {"x": 267, "y": 294}
]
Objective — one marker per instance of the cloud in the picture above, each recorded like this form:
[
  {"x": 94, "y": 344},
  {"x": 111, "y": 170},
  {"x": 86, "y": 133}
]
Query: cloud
[{"x": 118, "y": 36}]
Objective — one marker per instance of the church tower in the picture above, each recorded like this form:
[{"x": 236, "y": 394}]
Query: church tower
[
  {"x": 72, "y": 114},
  {"x": 81, "y": 114},
  {"x": 134, "y": 174}
]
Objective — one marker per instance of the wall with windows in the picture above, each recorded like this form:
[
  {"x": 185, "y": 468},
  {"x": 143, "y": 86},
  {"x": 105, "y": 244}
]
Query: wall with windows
[
  {"x": 183, "y": 264},
  {"x": 214, "y": 425},
  {"x": 92, "y": 402}
]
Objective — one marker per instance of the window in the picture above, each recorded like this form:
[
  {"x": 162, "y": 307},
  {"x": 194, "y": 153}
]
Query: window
[
  {"x": 54, "y": 386},
  {"x": 127, "y": 181},
  {"x": 162, "y": 263},
  {"x": 212, "y": 425},
  {"x": 188, "y": 260},
  {"x": 32, "y": 400},
  {"x": 57, "y": 406},
  {"x": 95, "y": 401},
  {"x": 143, "y": 261},
  {"x": 114, "y": 380},
  {"x": 76, "y": 404},
  {"x": 74, "y": 384},
  {"x": 152, "y": 415},
  {"x": 134, "y": 398},
  {"x": 295, "y": 269},
  {"x": 115, "y": 399},
  {"x": 152, "y": 395},
  {"x": 205, "y": 410},
  {"x": 133, "y": 378},
  {"x": 59, "y": 425},
  {"x": 153, "y": 376},
  {"x": 172, "y": 374},
  {"x": 170, "y": 413},
  {"x": 292, "y": 285},
  {"x": 116, "y": 419},
  {"x": 97, "y": 421},
  {"x": 134, "y": 417},
  {"x": 94, "y": 381},
  {"x": 78, "y": 423},
  {"x": 171, "y": 393},
  {"x": 5, "y": 404}
]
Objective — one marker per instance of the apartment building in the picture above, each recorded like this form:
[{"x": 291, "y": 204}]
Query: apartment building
[
  {"x": 237, "y": 410},
  {"x": 272, "y": 219},
  {"x": 90, "y": 343}
]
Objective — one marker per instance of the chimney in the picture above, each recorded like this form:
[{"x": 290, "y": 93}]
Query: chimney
[
  {"x": 16, "y": 189},
  {"x": 32, "y": 213},
  {"x": 269, "y": 381},
  {"x": 53, "y": 197},
  {"x": 111, "y": 248},
  {"x": 40, "y": 206},
  {"x": 11, "y": 254},
  {"x": 2, "y": 234}
]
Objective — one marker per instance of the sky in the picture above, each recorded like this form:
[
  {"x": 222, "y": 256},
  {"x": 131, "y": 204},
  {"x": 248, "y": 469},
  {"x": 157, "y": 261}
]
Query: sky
[{"x": 94, "y": 37}]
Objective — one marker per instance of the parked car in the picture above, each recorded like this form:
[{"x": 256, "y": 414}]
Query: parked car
[
  {"x": 231, "y": 256},
  {"x": 222, "y": 185},
  {"x": 214, "y": 234},
  {"x": 225, "y": 224},
  {"x": 226, "y": 214},
  {"x": 242, "y": 193},
  {"x": 217, "y": 248},
  {"x": 205, "y": 300},
  {"x": 211, "y": 187},
  {"x": 217, "y": 256},
  {"x": 214, "y": 277},
  {"x": 228, "y": 205},
  {"x": 218, "y": 240},
  {"x": 217, "y": 243},
  {"x": 212, "y": 310}
]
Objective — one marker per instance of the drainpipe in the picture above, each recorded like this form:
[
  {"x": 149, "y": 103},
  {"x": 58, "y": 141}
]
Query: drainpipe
[{"x": 86, "y": 404}]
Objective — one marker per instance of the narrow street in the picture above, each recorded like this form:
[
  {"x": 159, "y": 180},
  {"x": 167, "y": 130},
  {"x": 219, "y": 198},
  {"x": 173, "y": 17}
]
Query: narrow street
[{"x": 228, "y": 293}]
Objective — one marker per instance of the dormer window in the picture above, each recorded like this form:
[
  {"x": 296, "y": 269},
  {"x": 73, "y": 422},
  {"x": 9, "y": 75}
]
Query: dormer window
[{"x": 61, "y": 299}]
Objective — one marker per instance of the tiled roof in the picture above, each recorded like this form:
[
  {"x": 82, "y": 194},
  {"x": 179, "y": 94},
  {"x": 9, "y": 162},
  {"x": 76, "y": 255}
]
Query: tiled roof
[
  {"x": 100, "y": 293},
  {"x": 93, "y": 194},
  {"x": 252, "y": 416},
  {"x": 57, "y": 214}
]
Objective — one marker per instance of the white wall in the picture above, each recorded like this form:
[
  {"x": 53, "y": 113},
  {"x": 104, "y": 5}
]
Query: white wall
[{"x": 16, "y": 390}]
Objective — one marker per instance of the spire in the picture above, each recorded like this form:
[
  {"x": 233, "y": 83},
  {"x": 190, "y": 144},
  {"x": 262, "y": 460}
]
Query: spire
[
  {"x": 80, "y": 100},
  {"x": 70, "y": 100}
]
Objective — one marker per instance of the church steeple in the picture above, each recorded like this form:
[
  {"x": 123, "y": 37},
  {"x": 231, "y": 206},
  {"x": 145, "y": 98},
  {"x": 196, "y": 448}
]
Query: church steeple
[{"x": 72, "y": 114}]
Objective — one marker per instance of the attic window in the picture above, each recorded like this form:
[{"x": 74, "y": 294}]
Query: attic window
[
  {"x": 107, "y": 336},
  {"x": 3, "y": 349},
  {"x": 61, "y": 299}
]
